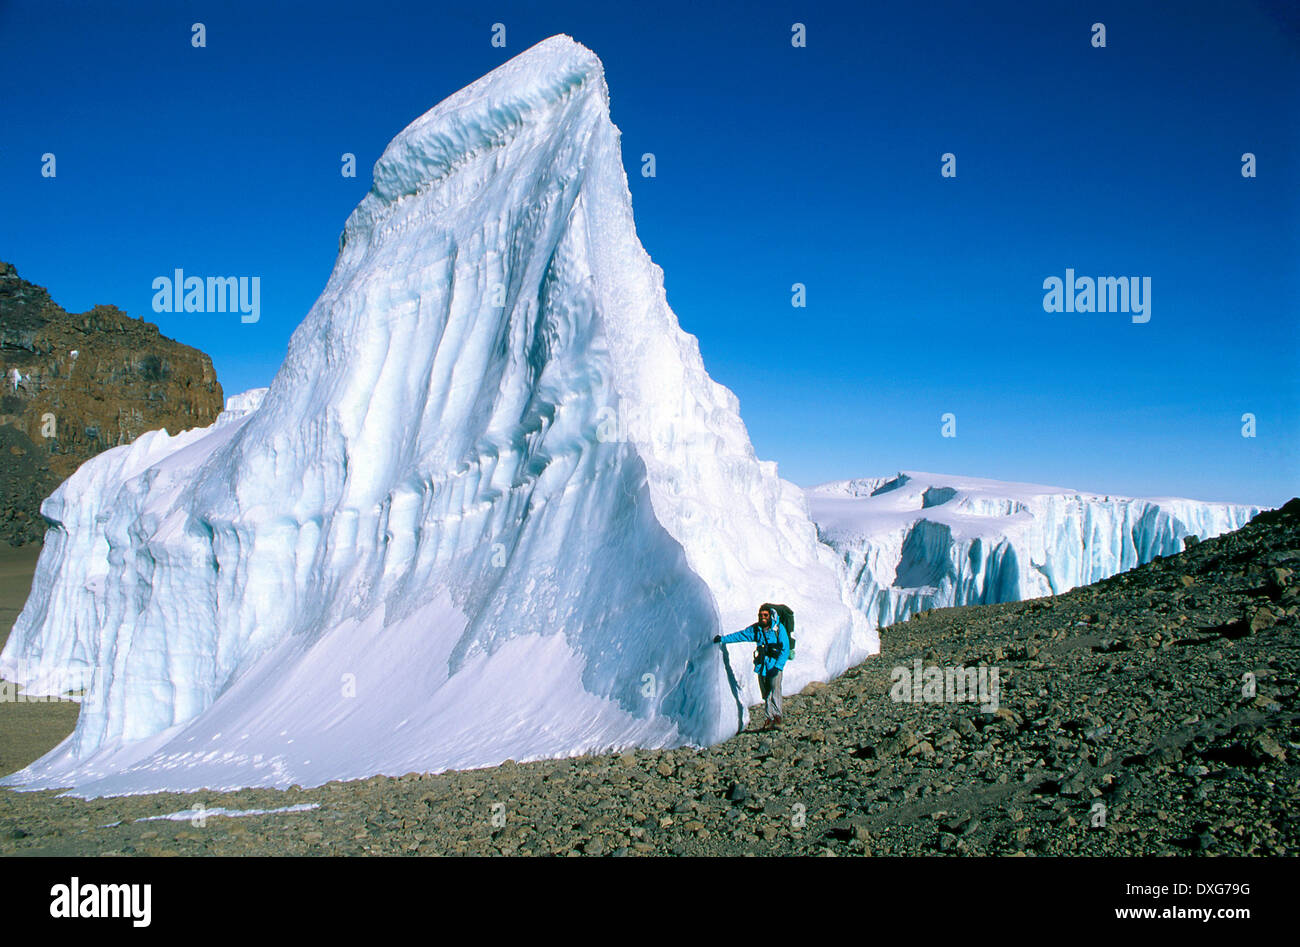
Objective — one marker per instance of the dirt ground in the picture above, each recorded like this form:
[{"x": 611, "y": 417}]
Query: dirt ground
[{"x": 27, "y": 730}]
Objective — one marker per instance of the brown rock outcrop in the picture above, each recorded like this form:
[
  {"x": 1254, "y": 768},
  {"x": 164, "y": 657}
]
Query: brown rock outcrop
[{"x": 75, "y": 384}]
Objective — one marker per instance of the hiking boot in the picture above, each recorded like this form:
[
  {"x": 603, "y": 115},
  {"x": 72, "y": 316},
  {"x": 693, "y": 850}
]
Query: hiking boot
[{"x": 776, "y": 723}]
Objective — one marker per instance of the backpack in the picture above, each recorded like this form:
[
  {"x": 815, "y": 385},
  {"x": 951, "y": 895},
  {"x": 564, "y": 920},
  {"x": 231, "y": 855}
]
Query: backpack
[{"x": 786, "y": 614}]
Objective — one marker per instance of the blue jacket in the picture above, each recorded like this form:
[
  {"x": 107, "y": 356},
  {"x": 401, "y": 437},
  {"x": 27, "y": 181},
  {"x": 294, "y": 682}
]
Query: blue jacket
[{"x": 760, "y": 636}]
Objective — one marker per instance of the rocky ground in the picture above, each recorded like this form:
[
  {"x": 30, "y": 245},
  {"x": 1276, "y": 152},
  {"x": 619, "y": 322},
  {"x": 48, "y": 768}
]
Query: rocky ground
[
  {"x": 1152, "y": 713},
  {"x": 85, "y": 382},
  {"x": 27, "y": 731}
]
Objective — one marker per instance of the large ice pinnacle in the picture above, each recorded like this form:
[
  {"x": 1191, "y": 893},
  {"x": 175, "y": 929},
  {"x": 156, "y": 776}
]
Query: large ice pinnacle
[{"x": 492, "y": 506}]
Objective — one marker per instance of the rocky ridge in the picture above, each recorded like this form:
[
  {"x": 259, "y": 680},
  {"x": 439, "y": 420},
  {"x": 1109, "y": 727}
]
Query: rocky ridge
[{"x": 75, "y": 384}]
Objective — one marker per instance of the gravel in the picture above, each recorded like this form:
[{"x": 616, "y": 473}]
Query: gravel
[{"x": 1151, "y": 713}]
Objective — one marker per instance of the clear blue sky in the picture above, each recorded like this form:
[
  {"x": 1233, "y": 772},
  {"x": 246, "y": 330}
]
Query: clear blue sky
[{"x": 776, "y": 165}]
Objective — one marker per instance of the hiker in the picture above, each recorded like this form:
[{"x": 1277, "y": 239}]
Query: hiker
[{"x": 772, "y": 648}]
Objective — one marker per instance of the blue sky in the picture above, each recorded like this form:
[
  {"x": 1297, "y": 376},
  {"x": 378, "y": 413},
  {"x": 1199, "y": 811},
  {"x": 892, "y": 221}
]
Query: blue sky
[{"x": 775, "y": 165}]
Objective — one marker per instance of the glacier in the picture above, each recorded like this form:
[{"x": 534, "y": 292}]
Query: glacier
[
  {"x": 490, "y": 507},
  {"x": 917, "y": 541}
]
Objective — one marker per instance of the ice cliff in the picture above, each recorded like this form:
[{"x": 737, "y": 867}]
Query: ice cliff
[
  {"x": 918, "y": 541},
  {"x": 491, "y": 506}
]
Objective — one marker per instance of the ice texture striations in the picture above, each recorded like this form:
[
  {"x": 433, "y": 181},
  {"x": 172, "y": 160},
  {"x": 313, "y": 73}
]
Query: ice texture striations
[
  {"x": 918, "y": 541},
  {"x": 491, "y": 506}
]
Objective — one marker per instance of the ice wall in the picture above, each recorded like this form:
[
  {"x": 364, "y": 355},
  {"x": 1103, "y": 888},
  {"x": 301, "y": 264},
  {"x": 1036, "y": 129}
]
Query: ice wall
[
  {"x": 491, "y": 505},
  {"x": 918, "y": 541}
]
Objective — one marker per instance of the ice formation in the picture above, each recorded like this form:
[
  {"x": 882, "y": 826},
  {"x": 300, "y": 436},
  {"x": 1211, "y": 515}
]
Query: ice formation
[
  {"x": 918, "y": 541},
  {"x": 490, "y": 507}
]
